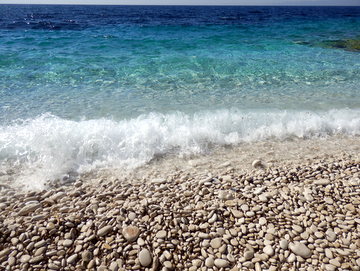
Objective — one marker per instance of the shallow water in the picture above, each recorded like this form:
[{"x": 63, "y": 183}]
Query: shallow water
[{"x": 86, "y": 87}]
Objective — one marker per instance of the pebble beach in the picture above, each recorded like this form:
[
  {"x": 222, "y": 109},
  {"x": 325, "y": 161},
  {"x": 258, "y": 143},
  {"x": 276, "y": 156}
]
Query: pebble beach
[{"x": 197, "y": 215}]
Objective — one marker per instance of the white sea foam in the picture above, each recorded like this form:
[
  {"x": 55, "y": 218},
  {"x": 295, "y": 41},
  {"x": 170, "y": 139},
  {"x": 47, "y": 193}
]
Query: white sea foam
[{"x": 48, "y": 147}]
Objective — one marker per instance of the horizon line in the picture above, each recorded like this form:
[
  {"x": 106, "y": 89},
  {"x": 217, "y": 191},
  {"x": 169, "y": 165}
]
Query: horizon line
[{"x": 190, "y": 5}]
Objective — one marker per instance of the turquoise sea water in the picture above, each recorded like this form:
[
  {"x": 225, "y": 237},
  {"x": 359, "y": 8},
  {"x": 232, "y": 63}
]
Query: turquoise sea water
[{"x": 94, "y": 86}]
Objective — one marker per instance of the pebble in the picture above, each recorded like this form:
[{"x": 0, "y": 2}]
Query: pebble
[
  {"x": 249, "y": 254},
  {"x": 145, "y": 258},
  {"x": 68, "y": 243},
  {"x": 131, "y": 233},
  {"x": 161, "y": 234},
  {"x": 11, "y": 261},
  {"x": 209, "y": 262},
  {"x": 262, "y": 221},
  {"x": 268, "y": 250},
  {"x": 29, "y": 209},
  {"x": 86, "y": 256},
  {"x": 25, "y": 258},
  {"x": 284, "y": 244},
  {"x": 330, "y": 235},
  {"x": 104, "y": 230},
  {"x": 335, "y": 262},
  {"x": 300, "y": 249},
  {"x": 215, "y": 243},
  {"x": 114, "y": 266},
  {"x": 72, "y": 259},
  {"x": 257, "y": 164},
  {"x": 168, "y": 265},
  {"x": 221, "y": 263}
]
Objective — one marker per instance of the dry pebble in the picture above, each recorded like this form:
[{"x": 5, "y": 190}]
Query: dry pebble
[{"x": 145, "y": 258}]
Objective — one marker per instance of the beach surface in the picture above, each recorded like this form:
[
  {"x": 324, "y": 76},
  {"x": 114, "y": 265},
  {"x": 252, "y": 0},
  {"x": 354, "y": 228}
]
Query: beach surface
[{"x": 290, "y": 205}]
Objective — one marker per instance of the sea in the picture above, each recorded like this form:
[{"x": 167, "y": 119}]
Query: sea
[{"x": 83, "y": 88}]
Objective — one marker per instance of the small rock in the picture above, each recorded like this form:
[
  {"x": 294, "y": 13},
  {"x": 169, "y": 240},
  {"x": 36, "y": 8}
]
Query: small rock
[
  {"x": 236, "y": 213},
  {"x": 257, "y": 164},
  {"x": 72, "y": 259},
  {"x": 330, "y": 235},
  {"x": 86, "y": 256},
  {"x": 145, "y": 258},
  {"x": 322, "y": 182},
  {"x": 104, "y": 230},
  {"x": 67, "y": 243},
  {"x": 36, "y": 259},
  {"x": 248, "y": 255},
  {"x": 161, "y": 234},
  {"x": 11, "y": 261},
  {"x": 131, "y": 233},
  {"x": 114, "y": 266},
  {"x": 268, "y": 250},
  {"x": 25, "y": 258},
  {"x": 300, "y": 249},
  {"x": 209, "y": 262},
  {"x": 215, "y": 243},
  {"x": 168, "y": 265},
  {"x": 328, "y": 253},
  {"x": 262, "y": 221},
  {"x": 221, "y": 263},
  {"x": 29, "y": 208},
  {"x": 58, "y": 196},
  {"x": 213, "y": 218},
  {"x": 335, "y": 262},
  {"x": 284, "y": 244},
  {"x": 225, "y": 195},
  {"x": 131, "y": 216}
]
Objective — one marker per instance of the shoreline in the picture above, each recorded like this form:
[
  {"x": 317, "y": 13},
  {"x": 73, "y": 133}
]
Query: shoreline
[{"x": 297, "y": 209}]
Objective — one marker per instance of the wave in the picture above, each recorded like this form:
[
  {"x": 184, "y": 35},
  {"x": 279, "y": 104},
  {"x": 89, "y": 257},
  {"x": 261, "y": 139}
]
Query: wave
[{"x": 49, "y": 147}]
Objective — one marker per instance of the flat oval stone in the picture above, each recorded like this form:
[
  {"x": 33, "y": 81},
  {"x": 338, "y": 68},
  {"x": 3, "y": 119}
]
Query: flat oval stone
[
  {"x": 145, "y": 258},
  {"x": 221, "y": 263},
  {"x": 67, "y": 243},
  {"x": 300, "y": 249},
  {"x": 25, "y": 258},
  {"x": 72, "y": 259},
  {"x": 104, "y": 230},
  {"x": 29, "y": 208}
]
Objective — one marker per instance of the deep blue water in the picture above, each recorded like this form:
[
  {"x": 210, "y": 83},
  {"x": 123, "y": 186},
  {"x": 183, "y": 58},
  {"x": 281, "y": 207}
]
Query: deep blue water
[{"x": 113, "y": 85}]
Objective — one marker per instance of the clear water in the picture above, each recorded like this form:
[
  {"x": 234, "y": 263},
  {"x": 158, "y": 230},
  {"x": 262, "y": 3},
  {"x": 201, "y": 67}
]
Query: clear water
[{"x": 103, "y": 86}]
